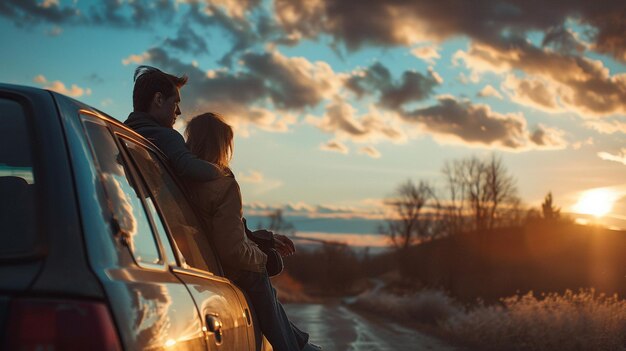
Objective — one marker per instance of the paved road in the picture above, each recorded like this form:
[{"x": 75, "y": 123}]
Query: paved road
[{"x": 337, "y": 328}]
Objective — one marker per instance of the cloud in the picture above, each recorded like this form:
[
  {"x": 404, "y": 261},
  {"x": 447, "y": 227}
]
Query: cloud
[
  {"x": 221, "y": 91},
  {"x": 95, "y": 78},
  {"x": 300, "y": 206},
  {"x": 384, "y": 23},
  {"x": 136, "y": 59},
  {"x": 55, "y": 31},
  {"x": 488, "y": 90},
  {"x": 342, "y": 120},
  {"x": 429, "y": 54},
  {"x": 232, "y": 16},
  {"x": 370, "y": 151},
  {"x": 532, "y": 92},
  {"x": 608, "y": 34},
  {"x": 377, "y": 79},
  {"x": 187, "y": 40},
  {"x": 335, "y": 146},
  {"x": 579, "y": 144},
  {"x": 40, "y": 79},
  {"x": 59, "y": 87},
  {"x": 49, "y": 3},
  {"x": 619, "y": 157},
  {"x": 112, "y": 13},
  {"x": 548, "y": 138},
  {"x": 563, "y": 40},
  {"x": 251, "y": 177},
  {"x": 235, "y": 8},
  {"x": 253, "y": 186},
  {"x": 405, "y": 23},
  {"x": 138, "y": 13},
  {"x": 293, "y": 82},
  {"x": 583, "y": 85},
  {"x": 228, "y": 15},
  {"x": 607, "y": 126},
  {"x": 25, "y": 12},
  {"x": 477, "y": 125},
  {"x": 372, "y": 210},
  {"x": 261, "y": 92}
]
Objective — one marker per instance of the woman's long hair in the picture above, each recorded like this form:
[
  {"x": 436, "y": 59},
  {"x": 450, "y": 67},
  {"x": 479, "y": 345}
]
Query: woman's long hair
[{"x": 210, "y": 138}]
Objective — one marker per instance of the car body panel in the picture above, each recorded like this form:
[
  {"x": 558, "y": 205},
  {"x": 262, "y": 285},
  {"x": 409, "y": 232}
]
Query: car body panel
[
  {"x": 152, "y": 308},
  {"x": 58, "y": 260},
  {"x": 217, "y": 301}
]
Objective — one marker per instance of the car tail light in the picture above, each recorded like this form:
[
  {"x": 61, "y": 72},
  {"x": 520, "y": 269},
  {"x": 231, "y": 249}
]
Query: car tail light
[{"x": 50, "y": 324}]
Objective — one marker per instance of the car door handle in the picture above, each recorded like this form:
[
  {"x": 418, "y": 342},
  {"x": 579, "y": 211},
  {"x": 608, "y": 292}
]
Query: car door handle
[
  {"x": 246, "y": 312},
  {"x": 214, "y": 325}
]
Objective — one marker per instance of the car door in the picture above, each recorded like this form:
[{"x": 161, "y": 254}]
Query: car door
[
  {"x": 222, "y": 306},
  {"x": 153, "y": 310}
]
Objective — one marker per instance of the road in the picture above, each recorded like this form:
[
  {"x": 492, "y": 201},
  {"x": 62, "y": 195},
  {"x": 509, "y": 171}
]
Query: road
[{"x": 336, "y": 327}]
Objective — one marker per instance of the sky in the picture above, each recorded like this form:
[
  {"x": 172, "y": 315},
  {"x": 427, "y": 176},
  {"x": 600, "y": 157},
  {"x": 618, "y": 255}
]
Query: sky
[{"x": 337, "y": 102}]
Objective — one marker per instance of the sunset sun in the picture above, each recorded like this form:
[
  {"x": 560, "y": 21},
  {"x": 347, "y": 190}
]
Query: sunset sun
[{"x": 596, "y": 202}]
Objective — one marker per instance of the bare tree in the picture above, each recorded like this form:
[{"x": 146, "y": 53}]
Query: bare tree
[
  {"x": 454, "y": 207},
  {"x": 410, "y": 223},
  {"x": 277, "y": 223},
  {"x": 480, "y": 191},
  {"x": 501, "y": 193}
]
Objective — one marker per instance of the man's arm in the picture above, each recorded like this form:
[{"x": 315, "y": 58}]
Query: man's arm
[{"x": 185, "y": 163}]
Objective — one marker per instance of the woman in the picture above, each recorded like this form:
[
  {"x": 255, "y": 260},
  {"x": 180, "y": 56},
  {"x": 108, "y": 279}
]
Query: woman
[{"x": 219, "y": 201}]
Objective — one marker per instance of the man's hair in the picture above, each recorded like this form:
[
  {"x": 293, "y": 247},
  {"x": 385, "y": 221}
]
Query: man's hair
[{"x": 151, "y": 80}]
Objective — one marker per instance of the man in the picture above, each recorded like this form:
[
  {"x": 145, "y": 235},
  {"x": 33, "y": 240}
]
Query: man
[{"x": 156, "y": 97}]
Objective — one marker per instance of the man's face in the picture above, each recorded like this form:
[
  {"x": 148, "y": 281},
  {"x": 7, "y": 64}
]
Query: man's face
[{"x": 166, "y": 109}]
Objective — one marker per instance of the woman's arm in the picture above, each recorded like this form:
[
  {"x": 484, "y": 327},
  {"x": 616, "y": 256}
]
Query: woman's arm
[{"x": 229, "y": 232}]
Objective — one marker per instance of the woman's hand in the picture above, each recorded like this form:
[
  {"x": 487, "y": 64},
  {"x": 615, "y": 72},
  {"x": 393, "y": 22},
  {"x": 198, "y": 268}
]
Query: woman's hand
[{"x": 284, "y": 245}]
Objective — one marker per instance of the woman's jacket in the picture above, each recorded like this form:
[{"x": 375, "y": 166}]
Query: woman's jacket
[{"x": 220, "y": 205}]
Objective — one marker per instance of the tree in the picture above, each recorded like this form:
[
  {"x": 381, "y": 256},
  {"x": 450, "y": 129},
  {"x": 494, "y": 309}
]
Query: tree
[
  {"x": 454, "y": 208},
  {"x": 501, "y": 190},
  {"x": 549, "y": 211},
  {"x": 277, "y": 223},
  {"x": 410, "y": 223},
  {"x": 480, "y": 191}
]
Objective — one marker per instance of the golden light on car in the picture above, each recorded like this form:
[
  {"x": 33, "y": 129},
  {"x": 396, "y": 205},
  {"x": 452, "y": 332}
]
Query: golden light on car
[{"x": 595, "y": 202}]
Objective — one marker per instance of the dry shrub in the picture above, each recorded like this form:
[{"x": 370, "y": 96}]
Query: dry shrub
[
  {"x": 427, "y": 306},
  {"x": 572, "y": 321}
]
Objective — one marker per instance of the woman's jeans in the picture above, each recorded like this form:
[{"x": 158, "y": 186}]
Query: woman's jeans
[{"x": 279, "y": 331}]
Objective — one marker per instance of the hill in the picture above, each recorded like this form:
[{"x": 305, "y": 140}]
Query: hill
[{"x": 541, "y": 256}]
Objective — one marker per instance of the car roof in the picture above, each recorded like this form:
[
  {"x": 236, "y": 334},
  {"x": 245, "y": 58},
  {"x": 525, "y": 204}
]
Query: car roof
[{"x": 30, "y": 90}]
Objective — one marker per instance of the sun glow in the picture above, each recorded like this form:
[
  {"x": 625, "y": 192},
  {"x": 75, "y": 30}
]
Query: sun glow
[{"x": 596, "y": 202}]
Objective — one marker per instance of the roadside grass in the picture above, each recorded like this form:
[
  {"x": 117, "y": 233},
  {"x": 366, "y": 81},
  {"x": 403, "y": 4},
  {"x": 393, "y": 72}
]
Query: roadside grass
[
  {"x": 427, "y": 306},
  {"x": 582, "y": 320}
]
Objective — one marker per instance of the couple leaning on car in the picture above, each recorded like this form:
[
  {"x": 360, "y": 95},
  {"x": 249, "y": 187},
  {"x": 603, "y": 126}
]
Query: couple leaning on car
[{"x": 202, "y": 164}]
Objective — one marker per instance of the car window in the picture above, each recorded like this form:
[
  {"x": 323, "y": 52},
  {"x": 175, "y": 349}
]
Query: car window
[
  {"x": 124, "y": 199},
  {"x": 177, "y": 214},
  {"x": 17, "y": 181}
]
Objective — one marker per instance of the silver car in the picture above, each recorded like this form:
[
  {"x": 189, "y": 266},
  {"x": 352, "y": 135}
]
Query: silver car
[{"x": 99, "y": 247}]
